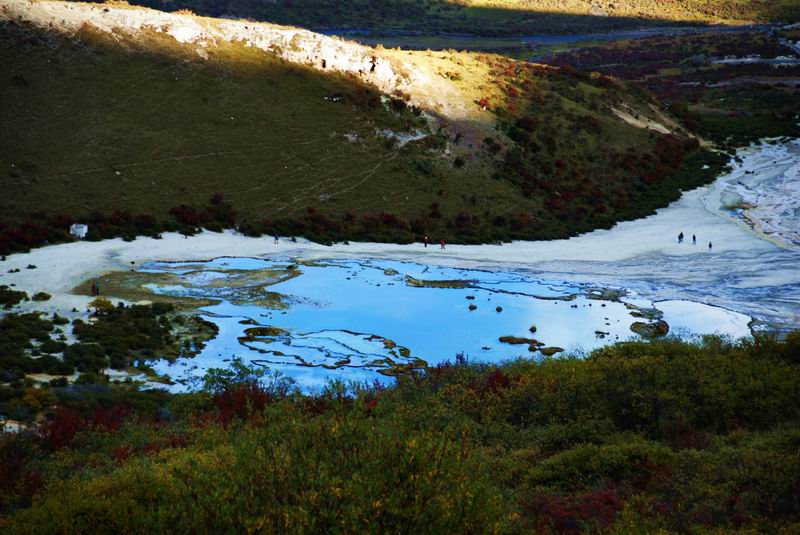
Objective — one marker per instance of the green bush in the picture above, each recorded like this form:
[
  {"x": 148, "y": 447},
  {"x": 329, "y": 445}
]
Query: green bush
[
  {"x": 86, "y": 357},
  {"x": 125, "y": 333},
  {"x": 9, "y": 297},
  {"x": 587, "y": 465},
  {"x": 664, "y": 436},
  {"x": 292, "y": 475}
]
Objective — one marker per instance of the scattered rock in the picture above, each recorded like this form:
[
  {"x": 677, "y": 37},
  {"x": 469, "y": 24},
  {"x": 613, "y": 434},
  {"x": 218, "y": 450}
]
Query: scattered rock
[
  {"x": 605, "y": 294},
  {"x": 472, "y": 307},
  {"x": 655, "y": 329},
  {"x": 550, "y": 351},
  {"x": 517, "y": 340},
  {"x": 499, "y": 309},
  {"x": 647, "y": 313}
]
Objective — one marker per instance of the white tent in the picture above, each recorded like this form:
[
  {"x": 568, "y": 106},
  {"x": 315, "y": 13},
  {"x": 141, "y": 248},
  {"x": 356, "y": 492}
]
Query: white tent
[{"x": 78, "y": 230}]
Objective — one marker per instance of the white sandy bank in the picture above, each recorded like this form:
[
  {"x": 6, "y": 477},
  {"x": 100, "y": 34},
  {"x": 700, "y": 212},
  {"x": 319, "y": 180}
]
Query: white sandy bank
[{"x": 632, "y": 252}]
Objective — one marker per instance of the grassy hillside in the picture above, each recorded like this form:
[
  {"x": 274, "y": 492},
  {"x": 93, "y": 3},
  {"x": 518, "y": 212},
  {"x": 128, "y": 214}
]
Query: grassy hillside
[
  {"x": 662, "y": 437},
  {"x": 490, "y": 17},
  {"x": 136, "y": 133},
  {"x": 730, "y": 104}
]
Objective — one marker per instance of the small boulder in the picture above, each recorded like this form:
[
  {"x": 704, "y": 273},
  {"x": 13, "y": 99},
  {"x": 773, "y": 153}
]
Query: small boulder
[{"x": 656, "y": 329}]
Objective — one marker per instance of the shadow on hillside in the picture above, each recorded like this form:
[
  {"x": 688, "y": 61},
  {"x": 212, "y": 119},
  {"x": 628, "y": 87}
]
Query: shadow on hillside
[
  {"x": 432, "y": 17},
  {"x": 299, "y": 152}
]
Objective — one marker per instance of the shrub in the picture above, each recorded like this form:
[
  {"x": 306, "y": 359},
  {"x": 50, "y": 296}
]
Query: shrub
[
  {"x": 86, "y": 357},
  {"x": 9, "y": 297},
  {"x": 636, "y": 437}
]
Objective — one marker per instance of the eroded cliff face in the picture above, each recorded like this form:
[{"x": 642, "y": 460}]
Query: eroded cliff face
[{"x": 384, "y": 69}]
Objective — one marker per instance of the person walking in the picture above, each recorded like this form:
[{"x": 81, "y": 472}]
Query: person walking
[
  {"x": 442, "y": 244},
  {"x": 680, "y": 237},
  {"x": 425, "y": 240},
  {"x": 694, "y": 239},
  {"x": 276, "y": 239},
  {"x": 709, "y": 246}
]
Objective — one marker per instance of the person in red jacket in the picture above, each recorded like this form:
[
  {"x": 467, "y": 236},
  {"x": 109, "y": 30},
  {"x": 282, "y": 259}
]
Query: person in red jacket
[{"x": 442, "y": 244}]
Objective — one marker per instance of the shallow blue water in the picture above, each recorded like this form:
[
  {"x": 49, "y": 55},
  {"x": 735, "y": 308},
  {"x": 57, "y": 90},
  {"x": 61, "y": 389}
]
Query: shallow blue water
[{"x": 340, "y": 313}]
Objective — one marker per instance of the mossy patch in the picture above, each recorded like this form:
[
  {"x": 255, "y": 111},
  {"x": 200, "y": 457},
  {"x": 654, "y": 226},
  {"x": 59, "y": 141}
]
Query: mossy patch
[
  {"x": 550, "y": 351},
  {"x": 644, "y": 312},
  {"x": 517, "y": 340},
  {"x": 396, "y": 369},
  {"x": 239, "y": 278},
  {"x": 421, "y": 283},
  {"x": 237, "y": 286},
  {"x": 135, "y": 286},
  {"x": 191, "y": 334},
  {"x": 606, "y": 294},
  {"x": 656, "y": 329},
  {"x": 261, "y": 332}
]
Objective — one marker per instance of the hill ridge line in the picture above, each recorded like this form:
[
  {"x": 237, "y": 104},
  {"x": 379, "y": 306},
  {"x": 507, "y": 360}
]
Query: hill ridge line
[{"x": 380, "y": 68}]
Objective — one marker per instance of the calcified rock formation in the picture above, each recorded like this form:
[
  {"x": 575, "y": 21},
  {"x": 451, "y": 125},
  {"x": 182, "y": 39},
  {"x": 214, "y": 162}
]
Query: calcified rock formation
[{"x": 384, "y": 69}]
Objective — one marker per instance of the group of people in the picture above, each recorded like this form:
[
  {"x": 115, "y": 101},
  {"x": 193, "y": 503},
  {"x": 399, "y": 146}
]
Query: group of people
[
  {"x": 694, "y": 240},
  {"x": 426, "y": 240}
]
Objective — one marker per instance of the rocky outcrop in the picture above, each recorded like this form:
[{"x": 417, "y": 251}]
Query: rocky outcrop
[{"x": 390, "y": 75}]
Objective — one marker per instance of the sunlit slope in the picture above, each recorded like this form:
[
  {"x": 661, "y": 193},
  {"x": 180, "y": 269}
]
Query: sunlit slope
[
  {"x": 113, "y": 109},
  {"x": 492, "y": 17}
]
